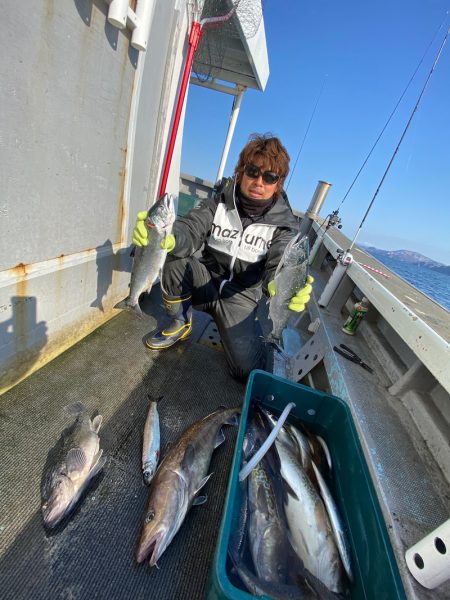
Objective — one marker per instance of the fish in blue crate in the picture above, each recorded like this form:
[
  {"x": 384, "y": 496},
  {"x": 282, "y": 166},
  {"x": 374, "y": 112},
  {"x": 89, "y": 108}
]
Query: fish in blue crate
[{"x": 287, "y": 511}]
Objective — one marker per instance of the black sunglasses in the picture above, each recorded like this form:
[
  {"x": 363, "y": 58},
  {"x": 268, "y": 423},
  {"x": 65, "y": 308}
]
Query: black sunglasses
[{"x": 267, "y": 176}]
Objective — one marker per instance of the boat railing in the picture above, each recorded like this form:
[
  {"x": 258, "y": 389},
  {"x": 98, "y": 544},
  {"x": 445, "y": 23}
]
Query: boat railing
[{"x": 405, "y": 332}]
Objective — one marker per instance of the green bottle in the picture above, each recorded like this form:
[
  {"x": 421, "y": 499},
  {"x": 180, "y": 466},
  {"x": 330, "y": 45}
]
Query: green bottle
[{"x": 358, "y": 312}]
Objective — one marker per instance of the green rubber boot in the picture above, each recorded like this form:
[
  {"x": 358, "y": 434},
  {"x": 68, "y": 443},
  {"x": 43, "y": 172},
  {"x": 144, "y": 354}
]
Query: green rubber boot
[{"x": 180, "y": 327}]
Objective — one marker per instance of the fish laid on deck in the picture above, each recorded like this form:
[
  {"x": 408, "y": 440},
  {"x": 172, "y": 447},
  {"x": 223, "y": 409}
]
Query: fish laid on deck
[
  {"x": 179, "y": 478},
  {"x": 76, "y": 459},
  {"x": 290, "y": 276},
  {"x": 151, "y": 442},
  {"x": 149, "y": 260}
]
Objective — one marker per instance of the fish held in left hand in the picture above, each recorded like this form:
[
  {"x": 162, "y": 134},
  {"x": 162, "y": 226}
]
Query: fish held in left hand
[
  {"x": 149, "y": 260},
  {"x": 77, "y": 458}
]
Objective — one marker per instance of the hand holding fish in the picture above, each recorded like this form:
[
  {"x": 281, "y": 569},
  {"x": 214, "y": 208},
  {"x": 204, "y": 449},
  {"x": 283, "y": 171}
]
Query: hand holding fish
[
  {"x": 168, "y": 243},
  {"x": 300, "y": 299},
  {"x": 141, "y": 234}
]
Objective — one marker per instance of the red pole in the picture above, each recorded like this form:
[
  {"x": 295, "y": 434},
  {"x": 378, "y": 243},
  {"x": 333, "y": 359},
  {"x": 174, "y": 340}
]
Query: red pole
[{"x": 194, "y": 40}]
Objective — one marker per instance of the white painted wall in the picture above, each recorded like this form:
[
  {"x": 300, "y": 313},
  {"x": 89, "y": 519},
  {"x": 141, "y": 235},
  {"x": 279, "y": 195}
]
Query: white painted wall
[{"x": 84, "y": 126}]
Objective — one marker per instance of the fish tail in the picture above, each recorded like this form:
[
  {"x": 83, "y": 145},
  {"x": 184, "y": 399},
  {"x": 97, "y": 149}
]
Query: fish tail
[
  {"x": 75, "y": 408},
  {"x": 126, "y": 305},
  {"x": 123, "y": 304},
  {"x": 152, "y": 399}
]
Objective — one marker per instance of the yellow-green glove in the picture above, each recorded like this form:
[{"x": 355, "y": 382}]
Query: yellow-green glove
[
  {"x": 140, "y": 232},
  {"x": 271, "y": 288},
  {"x": 168, "y": 243},
  {"x": 298, "y": 302}
]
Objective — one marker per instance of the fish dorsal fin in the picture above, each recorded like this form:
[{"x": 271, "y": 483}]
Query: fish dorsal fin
[
  {"x": 200, "y": 500},
  {"x": 75, "y": 460},
  {"x": 97, "y": 423},
  {"x": 220, "y": 438}
]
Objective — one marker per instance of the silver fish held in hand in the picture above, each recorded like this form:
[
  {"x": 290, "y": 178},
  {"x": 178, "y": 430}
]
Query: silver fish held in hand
[
  {"x": 149, "y": 260},
  {"x": 76, "y": 459},
  {"x": 290, "y": 277}
]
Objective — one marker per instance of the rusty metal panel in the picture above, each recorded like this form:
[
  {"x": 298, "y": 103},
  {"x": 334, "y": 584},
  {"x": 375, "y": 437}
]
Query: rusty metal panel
[
  {"x": 67, "y": 82},
  {"x": 84, "y": 125}
]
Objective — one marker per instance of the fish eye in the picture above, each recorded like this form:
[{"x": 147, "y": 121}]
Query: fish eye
[{"x": 150, "y": 516}]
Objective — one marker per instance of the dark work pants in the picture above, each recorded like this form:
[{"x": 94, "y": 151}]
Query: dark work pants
[{"x": 234, "y": 311}]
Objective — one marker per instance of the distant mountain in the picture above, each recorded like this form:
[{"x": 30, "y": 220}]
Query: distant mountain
[{"x": 407, "y": 256}]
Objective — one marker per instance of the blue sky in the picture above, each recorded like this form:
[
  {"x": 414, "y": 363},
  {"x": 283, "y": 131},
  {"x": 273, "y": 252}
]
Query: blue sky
[{"x": 363, "y": 55}]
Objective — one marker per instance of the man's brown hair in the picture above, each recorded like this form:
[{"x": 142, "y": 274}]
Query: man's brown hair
[{"x": 268, "y": 149}]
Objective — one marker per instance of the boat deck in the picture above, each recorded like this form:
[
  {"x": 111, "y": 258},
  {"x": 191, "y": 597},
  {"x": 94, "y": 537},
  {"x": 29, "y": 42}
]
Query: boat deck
[{"x": 91, "y": 554}]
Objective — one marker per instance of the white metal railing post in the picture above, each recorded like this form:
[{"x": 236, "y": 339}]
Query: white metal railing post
[
  {"x": 121, "y": 15},
  {"x": 233, "y": 118},
  {"x": 117, "y": 13},
  {"x": 144, "y": 11}
]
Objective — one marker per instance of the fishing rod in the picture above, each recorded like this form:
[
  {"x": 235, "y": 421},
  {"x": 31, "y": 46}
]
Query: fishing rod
[
  {"x": 333, "y": 219},
  {"x": 390, "y": 116},
  {"x": 306, "y": 133},
  {"x": 438, "y": 56},
  {"x": 345, "y": 258}
]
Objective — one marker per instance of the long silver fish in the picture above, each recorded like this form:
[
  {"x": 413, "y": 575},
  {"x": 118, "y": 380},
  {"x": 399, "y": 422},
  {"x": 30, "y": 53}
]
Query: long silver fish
[
  {"x": 149, "y": 260},
  {"x": 151, "y": 442},
  {"x": 290, "y": 276},
  {"x": 179, "y": 478},
  {"x": 76, "y": 459},
  {"x": 336, "y": 523},
  {"x": 311, "y": 535}
]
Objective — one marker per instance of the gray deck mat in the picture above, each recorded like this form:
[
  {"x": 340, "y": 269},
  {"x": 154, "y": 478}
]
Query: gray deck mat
[{"x": 91, "y": 554}]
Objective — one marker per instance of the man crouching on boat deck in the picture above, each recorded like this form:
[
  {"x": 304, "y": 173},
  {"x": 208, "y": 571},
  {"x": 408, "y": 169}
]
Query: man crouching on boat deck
[{"x": 244, "y": 228}]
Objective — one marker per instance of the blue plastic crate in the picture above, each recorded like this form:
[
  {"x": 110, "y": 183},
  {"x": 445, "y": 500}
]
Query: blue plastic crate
[{"x": 376, "y": 575}]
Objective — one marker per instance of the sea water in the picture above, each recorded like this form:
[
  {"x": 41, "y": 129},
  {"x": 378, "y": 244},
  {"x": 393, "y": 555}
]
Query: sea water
[{"x": 433, "y": 284}]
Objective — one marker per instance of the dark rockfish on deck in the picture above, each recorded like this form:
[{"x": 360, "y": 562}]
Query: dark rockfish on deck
[
  {"x": 75, "y": 460},
  {"x": 149, "y": 260},
  {"x": 290, "y": 277},
  {"x": 180, "y": 476},
  {"x": 151, "y": 442}
]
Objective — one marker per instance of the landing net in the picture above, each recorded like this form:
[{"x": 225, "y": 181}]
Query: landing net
[{"x": 217, "y": 38}]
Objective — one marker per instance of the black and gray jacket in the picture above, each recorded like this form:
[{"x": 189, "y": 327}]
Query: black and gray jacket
[{"x": 249, "y": 255}]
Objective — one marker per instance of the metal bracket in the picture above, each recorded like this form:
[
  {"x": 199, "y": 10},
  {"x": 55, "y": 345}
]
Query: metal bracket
[
  {"x": 311, "y": 353},
  {"x": 210, "y": 337},
  {"x": 296, "y": 366}
]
